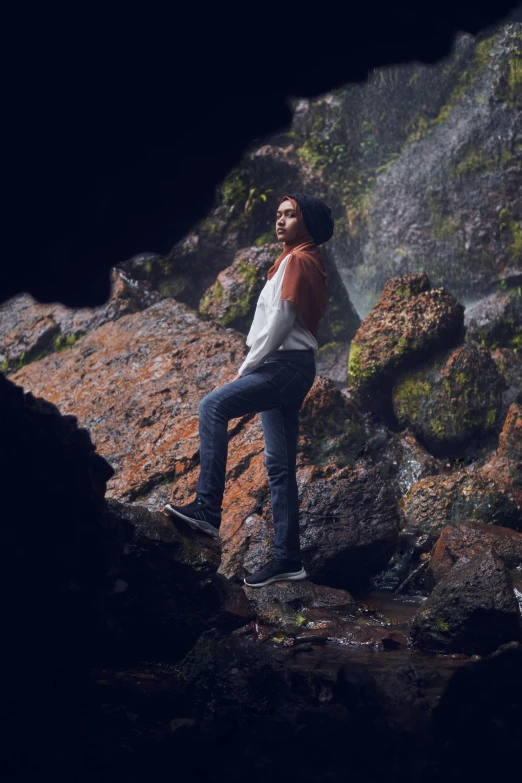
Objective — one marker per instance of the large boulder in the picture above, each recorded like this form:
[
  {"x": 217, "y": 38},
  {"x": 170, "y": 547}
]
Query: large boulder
[
  {"x": 472, "y": 610},
  {"x": 349, "y": 527},
  {"x": 491, "y": 494},
  {"x": 165, "y": 589},
  {"x": 505, "y": 466},
  {"x": 469, "y": 538},
  {"x": 451, "y": 399},
  {"x": 410, "y": 323},
  {"x": 436, "y": 501},
  {"x": 30, "y": 330}
]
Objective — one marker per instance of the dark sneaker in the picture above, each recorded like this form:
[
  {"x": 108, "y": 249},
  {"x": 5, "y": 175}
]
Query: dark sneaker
[
  {"x": 197, "y": 516},
  {"x": 276, "y": 571}
]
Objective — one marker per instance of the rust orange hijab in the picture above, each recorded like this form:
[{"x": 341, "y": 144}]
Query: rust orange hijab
[{"x": 305, "y": 281}]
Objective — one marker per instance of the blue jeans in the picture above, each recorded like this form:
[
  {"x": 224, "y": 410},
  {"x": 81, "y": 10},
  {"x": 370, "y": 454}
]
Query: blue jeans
[{"x": 276, "y": 389}]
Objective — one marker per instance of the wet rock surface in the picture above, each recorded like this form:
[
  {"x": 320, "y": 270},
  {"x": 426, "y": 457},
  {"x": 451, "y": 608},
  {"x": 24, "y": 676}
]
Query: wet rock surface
[
  {"x": 451, "y": 400},
  {"x": 410, "y": 322},
  {"x": 128, "y": 383},
  {"x": 349, "y": 527},
  {"x": 437, "y": 501},
  {"x": 496, "y": 319},
  {"x": 505, "y": 466},
  {"x": 473, "y": 609},
  {"x": 467, "y": 539},
  {"x": 30, "y": 330},
  {"x": 490, "y": 494},
  {"x": 448, "y": 191}
]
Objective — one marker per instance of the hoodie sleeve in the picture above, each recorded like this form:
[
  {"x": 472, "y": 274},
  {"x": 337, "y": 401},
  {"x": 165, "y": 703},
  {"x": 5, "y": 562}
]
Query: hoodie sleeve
[{"x": 279, "y": 321}]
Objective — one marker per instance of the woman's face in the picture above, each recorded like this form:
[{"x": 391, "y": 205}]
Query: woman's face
[{"x": 286, "y": 222}]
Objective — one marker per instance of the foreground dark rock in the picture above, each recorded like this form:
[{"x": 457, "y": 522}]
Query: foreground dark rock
[
  {"x": 164, "y": 587},
  {"x": 315, "y": 710},
  {"x": 54, "y": 576},
  {"x": 473, "y": 609},
  {"x": 249, "y": 670},
  {"x": 477, "y": 723}
]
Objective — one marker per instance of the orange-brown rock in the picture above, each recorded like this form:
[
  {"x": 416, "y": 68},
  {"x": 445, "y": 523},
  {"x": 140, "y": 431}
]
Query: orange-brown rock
[
  {"x": 436, "y": 501},
  {"x": 491, "y": 494},
  {"x": 136, "y": 383},
  {"x": 505, "y": 467},
  {"x": 30, "y": 330},
  {"x": 410, "y": 322},
  {"x": 468, "y": 538}
]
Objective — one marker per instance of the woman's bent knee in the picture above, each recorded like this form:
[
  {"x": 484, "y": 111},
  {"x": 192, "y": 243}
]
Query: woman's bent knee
[{"x": 204, "y": 402}]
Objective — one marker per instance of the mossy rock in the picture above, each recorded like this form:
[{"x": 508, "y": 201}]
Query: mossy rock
[
  {"x": 450, "y": 399},
  {"x": 410, "y": 322}
]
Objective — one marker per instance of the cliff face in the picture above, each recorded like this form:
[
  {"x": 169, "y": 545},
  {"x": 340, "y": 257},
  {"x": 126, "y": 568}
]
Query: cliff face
[{"x": 421, "y": 165}]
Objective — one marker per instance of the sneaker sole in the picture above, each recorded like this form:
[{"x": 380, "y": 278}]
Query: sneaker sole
[
  {"x": 195, "y": 524},
  {"x": 290, "y": 575}
]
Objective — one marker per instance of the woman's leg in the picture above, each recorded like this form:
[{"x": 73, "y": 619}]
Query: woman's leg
[
  {"x": 250, "y": 394},
  {"x": 276, "y": 390},
  {"x": 281, "y": 427}
]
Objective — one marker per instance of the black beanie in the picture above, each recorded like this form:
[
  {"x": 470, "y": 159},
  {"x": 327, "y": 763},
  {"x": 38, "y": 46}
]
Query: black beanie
[{"x": 316, "y": 215}]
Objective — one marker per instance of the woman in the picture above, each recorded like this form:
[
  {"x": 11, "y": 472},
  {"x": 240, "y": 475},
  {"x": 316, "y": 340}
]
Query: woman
[{"x": 274, "y": 379}]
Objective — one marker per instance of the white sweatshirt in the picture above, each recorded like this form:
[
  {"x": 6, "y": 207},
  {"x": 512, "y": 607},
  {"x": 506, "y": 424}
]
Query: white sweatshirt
[{"x": 276, "y": 326}]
